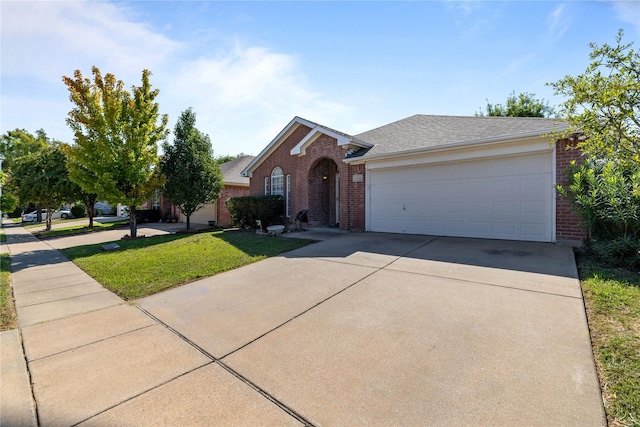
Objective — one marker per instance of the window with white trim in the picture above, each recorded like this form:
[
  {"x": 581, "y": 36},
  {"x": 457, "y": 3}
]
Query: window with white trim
[
  {"x": 288, "y": 198},
  {"x": 155, "y": 204},
  {"x": 266, "y": 185},
  {"x": 277, "y": 182}
]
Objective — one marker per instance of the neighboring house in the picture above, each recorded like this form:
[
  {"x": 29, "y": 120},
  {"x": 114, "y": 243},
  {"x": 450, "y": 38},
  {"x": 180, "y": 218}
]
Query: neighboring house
[
  {"x": 485, "y": 177},
  {"x": 235, "y": 185}
]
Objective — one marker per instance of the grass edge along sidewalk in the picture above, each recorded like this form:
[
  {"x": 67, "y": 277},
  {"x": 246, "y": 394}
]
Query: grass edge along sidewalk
[
  {"x": 143, "y": 267},
  {"x": 8, "y": 318},
  {"x": 612, "y": 302}
]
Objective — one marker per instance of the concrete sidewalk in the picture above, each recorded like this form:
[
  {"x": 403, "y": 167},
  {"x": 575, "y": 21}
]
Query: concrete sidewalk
[{"x": 374, "y": 329}]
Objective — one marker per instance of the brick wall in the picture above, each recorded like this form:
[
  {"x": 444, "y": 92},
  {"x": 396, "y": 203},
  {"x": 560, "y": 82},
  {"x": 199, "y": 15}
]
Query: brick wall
[
  {"x": 228, "y": 191},
  {"x": 568, "y": 224},
  {"x": 323, "y": 158},
  {"x": 357, "y": 198}
]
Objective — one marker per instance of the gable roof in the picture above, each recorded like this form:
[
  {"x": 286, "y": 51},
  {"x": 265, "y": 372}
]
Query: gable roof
[
  {"x": 232, "y": 171},
  {"x": 421, "y": 132},
  {"x": 343, "y": 139},
  {"x": 416, "y": 133}
]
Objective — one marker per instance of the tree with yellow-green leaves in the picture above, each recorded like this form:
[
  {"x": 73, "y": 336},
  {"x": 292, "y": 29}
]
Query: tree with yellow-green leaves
[
  {"x": 116, "y": 137},
  {"x": 603, "y": 113}
]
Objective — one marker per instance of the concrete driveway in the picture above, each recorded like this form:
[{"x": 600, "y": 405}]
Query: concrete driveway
[
  {"x": 375, "y": 329},
  {"x": 387, "y": 329}
]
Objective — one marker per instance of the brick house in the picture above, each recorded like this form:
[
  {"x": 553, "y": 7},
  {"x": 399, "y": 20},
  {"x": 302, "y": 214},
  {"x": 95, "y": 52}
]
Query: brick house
[
  {"x": 485, "y": 177},
  {"x": 235, "y": 185}
]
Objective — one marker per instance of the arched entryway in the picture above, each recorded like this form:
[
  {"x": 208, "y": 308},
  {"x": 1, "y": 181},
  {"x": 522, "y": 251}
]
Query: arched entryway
[{"x": 324, "y": 191}]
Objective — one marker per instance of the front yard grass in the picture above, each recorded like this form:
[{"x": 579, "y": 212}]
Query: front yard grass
[
  {"x": 612, "y": 299},
  {"x": 143, "y": 267},
  {"x": 8, "y": 319}
]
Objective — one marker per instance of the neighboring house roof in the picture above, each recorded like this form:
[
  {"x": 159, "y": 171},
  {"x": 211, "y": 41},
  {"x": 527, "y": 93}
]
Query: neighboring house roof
[
  {"x": 232, "y": 171},
  {"x": 416, "y": 133},
  {"x": 421, "y": 132}
]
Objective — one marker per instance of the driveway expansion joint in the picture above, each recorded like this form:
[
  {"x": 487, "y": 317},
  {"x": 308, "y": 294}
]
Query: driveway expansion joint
[
  {"x": 63, "y": 299},
  {"x": 142, "y": 393},
  {"x": 92, "y": 342},
  {"x": 227, "y": 368}
]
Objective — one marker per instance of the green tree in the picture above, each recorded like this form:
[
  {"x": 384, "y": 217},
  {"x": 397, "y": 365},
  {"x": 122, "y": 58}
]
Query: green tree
[
  {"x": 116, "y": 135},
  {"x": 603, "y": 113},
  {"x": 193, "y": 176},
  {"x": 603, "y": 104},
  {"x": 80, "y": 174},
  {"x": 522, "y": 105},
  {"x": 17, "y": 143},
  {"x": 227, "y": 158},
  {"x": 8, "y": 202},
  {"x": 42, "y": 178},
  {"x": 13, "y": 145}
]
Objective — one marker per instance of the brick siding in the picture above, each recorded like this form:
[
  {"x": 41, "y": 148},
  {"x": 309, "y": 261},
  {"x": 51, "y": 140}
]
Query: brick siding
[
  {"x": 228, "y": 191},
  {"x": 569, "y": 228},
  {"x": 323, "y": 158},
  {"x": 309, "y": 188}
]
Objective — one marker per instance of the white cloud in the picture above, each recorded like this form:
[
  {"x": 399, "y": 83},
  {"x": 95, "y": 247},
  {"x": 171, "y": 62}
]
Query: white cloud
[
  {"x": 243, "y": 95},
  {"x": 558, "y": 23},
  {"x": 628, "y": 11},
  {"x": 48, "y": 39}
]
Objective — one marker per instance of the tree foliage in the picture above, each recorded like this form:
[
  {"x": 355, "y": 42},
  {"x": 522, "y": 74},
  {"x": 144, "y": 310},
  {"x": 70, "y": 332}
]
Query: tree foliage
[
  {"x": 607, "y": 197},
  {"x": 13, "y": 145},
  {"x": 227, "y": 158},
  {"x": 523, "y": 105},
  {"x": 193, "y": 176},
  {"x": 17, "y": 143},
  {"x": 42, "y": 178},
  {"x": 603, "y": 113},
  {"x": 116, "y": 136},
  {"x": 603, "y": 103}
]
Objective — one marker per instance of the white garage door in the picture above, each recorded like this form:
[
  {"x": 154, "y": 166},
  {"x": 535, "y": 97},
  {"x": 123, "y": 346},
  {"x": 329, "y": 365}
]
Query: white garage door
[
  {"x": 505, "y": 198},
  {"x": 204, "y": 215}
]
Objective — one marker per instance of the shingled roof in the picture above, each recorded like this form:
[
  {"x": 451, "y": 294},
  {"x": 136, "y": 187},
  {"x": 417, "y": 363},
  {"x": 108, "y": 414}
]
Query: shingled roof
[
  {"x": 232, "y": 171},
  {"x": 426, "y": 131}
]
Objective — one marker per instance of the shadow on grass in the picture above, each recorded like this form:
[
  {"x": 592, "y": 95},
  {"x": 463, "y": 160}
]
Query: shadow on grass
[
  {"x": 257, "y": 246},
  {"x": 53, "y": 234},
  {"x": 590, "y": 267}
]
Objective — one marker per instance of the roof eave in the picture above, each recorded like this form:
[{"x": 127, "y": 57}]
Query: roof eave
[
  {"x": 454, "y": 145},
  {"x": 248, "y": 171}
]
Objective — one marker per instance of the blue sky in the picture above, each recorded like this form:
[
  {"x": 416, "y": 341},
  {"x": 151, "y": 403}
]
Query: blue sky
[{"x": 247, "y": 68}]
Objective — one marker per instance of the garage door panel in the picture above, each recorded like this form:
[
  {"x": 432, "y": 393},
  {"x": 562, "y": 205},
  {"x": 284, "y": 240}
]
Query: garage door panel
[
  {"x": 204, "y": 214},
  {"x": 507, "y": 198}
]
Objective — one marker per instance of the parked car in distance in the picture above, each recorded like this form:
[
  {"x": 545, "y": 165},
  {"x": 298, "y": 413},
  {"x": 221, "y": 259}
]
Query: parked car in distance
[
  {"x": 33, "y": 215},
  {"x": 62, "y": 213}
]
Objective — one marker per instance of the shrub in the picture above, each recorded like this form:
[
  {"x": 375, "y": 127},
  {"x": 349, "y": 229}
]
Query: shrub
[
  {"x": 246, "y": 210},
  {"x": 607, "y": 197},
  {"x": 78, "y": 211}
]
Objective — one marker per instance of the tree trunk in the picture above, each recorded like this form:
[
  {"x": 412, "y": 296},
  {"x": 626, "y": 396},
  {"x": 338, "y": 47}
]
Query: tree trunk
[
  {"x": 188, "y": 221},
  {"x": 133, "y": 226},
  {"x": 48, "y": 227},
  {"x": 90, "y": 213}
]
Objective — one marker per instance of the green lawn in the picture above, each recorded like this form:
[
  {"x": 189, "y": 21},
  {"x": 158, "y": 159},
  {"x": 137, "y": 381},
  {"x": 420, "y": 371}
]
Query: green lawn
[
  {"x": 145, "y": 266},
  {"x": 8, "y": 319},
  {"x": 612, "y": 299}
]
